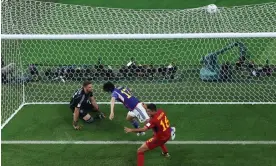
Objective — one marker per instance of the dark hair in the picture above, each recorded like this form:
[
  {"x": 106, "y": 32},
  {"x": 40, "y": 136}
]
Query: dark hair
[
  {"x": 151, "y": 106},
  {"x": 108, "y": 87},
  {"x": 85, "y": 83}
]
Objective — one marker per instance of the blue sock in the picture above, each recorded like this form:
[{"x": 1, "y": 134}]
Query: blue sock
[{"x": 135, "y": 124}]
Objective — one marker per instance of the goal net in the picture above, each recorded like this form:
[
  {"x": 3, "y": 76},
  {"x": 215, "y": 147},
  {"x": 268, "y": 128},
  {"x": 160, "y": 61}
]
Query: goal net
[{"x": 185, "y": 57}]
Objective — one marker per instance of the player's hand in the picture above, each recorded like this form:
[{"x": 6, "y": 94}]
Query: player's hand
[
  {"x": 77, "y": 127},
  {"x": 111, "y": 116},
  {"x": 101, "y": 115},
  {"x": 128, "y": 130}
]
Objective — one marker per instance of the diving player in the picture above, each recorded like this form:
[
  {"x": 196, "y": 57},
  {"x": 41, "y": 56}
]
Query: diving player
[{"x": 135, "y": 107}]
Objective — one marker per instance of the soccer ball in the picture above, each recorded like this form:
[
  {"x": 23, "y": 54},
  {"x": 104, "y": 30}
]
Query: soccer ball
[{"x": 212, "y": 8}]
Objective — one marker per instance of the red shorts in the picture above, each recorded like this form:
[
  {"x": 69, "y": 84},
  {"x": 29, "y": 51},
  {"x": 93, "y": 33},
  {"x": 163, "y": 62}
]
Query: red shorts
[{"x": 155, "y": 142}]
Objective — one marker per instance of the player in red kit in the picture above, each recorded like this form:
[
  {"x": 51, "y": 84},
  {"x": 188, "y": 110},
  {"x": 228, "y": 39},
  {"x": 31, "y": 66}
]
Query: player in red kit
[{"x": 162, "y": 133}]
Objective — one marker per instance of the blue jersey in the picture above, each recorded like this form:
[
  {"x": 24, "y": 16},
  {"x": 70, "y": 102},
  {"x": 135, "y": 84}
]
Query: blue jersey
[{"x": 124, "y": 96}]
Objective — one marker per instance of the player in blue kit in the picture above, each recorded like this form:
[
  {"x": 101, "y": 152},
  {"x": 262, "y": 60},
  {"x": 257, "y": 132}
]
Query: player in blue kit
[{"x": 135, "y": 107}]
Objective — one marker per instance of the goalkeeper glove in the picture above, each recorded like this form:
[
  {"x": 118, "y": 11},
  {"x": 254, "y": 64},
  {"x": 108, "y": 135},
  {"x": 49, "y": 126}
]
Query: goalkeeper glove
[{"x": 76, "y": 126}]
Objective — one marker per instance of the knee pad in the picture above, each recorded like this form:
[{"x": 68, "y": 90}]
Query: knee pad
[{"x": 90, "y": 120}]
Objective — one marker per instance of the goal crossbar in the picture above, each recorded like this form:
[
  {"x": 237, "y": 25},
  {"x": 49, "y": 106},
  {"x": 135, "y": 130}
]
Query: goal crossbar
[{"x": 138, "y": 36}]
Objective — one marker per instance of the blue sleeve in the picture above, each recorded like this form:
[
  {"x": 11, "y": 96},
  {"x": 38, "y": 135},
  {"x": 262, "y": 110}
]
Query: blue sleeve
[{"x": 114, "y": 94}]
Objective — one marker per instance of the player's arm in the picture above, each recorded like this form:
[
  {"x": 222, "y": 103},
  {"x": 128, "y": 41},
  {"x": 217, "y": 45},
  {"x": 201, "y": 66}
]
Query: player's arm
[
  {"x": 94, "y": 103},
  {"x": 128, "y": 130},
  {"x": 77, "y": 103},
  {"x": 96, "y": 106},
  {"x": 112, "y": 104},
  {"x": 76, "y": 118},
  {"x": 149, "y": 125}
]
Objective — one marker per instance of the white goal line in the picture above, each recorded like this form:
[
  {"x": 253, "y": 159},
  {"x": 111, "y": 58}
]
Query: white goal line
[{"x": 46, "y": 142}]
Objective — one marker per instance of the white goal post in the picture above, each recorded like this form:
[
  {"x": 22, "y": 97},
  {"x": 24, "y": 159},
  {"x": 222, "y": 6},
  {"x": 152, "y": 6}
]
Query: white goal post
[
  {"x": 166, "y": 56},
  {"x": 137, "y": 36}
]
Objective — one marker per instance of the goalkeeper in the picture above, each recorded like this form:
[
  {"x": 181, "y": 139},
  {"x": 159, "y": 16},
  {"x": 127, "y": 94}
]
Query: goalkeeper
[{"x": 82, "y": 103}]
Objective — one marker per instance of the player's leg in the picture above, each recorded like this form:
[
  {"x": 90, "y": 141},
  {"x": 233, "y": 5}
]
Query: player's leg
[
  {"x": 173, "y": 130},
  {"x": 89, "y": 108},
  {"x": 149, "y": 145},
  {"x": 153, "y": 143},
  {"x": 140, "y": 154},
  {"x": 131, "y": 117},
  {"x": 99, "y": 114},
  {"x": 141, "y": 113},
  {"x": 165, "y": 152},
  {"x": 86, "y": 116}
]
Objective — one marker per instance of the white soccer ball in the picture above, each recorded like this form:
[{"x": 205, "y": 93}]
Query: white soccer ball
[{"x": 212, "y": 8}]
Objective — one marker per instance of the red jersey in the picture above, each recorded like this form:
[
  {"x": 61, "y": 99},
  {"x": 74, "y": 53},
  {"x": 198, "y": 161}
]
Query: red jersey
[{"x": 160, "y": 125}]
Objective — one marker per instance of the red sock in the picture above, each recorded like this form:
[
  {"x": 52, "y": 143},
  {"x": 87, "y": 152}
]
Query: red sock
[
  {"x": 140, "y": 159},
  {"x": 164, "y": 148}
]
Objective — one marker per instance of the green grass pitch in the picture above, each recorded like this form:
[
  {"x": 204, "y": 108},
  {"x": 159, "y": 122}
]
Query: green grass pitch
[{"x": 193, "y": 122}]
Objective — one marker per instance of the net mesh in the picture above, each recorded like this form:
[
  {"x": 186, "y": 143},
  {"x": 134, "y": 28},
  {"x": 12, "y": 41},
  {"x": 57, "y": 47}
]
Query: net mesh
[
  {"x": 35, "y": 17},
  {"x": 158, "y": 70}
]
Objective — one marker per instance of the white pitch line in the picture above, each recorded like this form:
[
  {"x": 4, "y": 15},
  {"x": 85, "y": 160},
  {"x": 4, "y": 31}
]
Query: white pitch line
[{"x": 140, "y": 142}]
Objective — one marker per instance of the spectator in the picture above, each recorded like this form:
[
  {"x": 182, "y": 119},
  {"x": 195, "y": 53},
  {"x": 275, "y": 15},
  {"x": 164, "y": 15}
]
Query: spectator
[
  {"x": 172, "y": 68},
  {"x": 34, "y": 72},
  {"x": 124, "y": 71},
  {"x": 240, "y": 62},
  {"x": 7, "y": 72},
  {"x": 150, "y": 71},
  {"x": 131, "y": 62},
  {"x": 132, "y": 67},
  {"x": 267, "y": 70},
  {"x": 225, "y": 72},
  {"x": 162, "y": 70}
]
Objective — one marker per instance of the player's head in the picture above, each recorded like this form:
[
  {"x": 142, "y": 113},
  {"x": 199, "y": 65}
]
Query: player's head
[
  {"x": 87, "y": 86},
  {"x": 108, "y": 87},
  {"x": 151, "y": 109}
]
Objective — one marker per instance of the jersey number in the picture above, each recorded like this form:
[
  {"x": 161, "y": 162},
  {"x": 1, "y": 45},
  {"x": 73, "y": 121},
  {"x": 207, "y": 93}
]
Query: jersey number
[
  {"x": 165, "y": 123},
  {"x": 126, "y": 92}
]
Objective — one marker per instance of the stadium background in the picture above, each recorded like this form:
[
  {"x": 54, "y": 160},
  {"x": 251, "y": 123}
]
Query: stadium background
[{"x": 193, "y": 122}]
